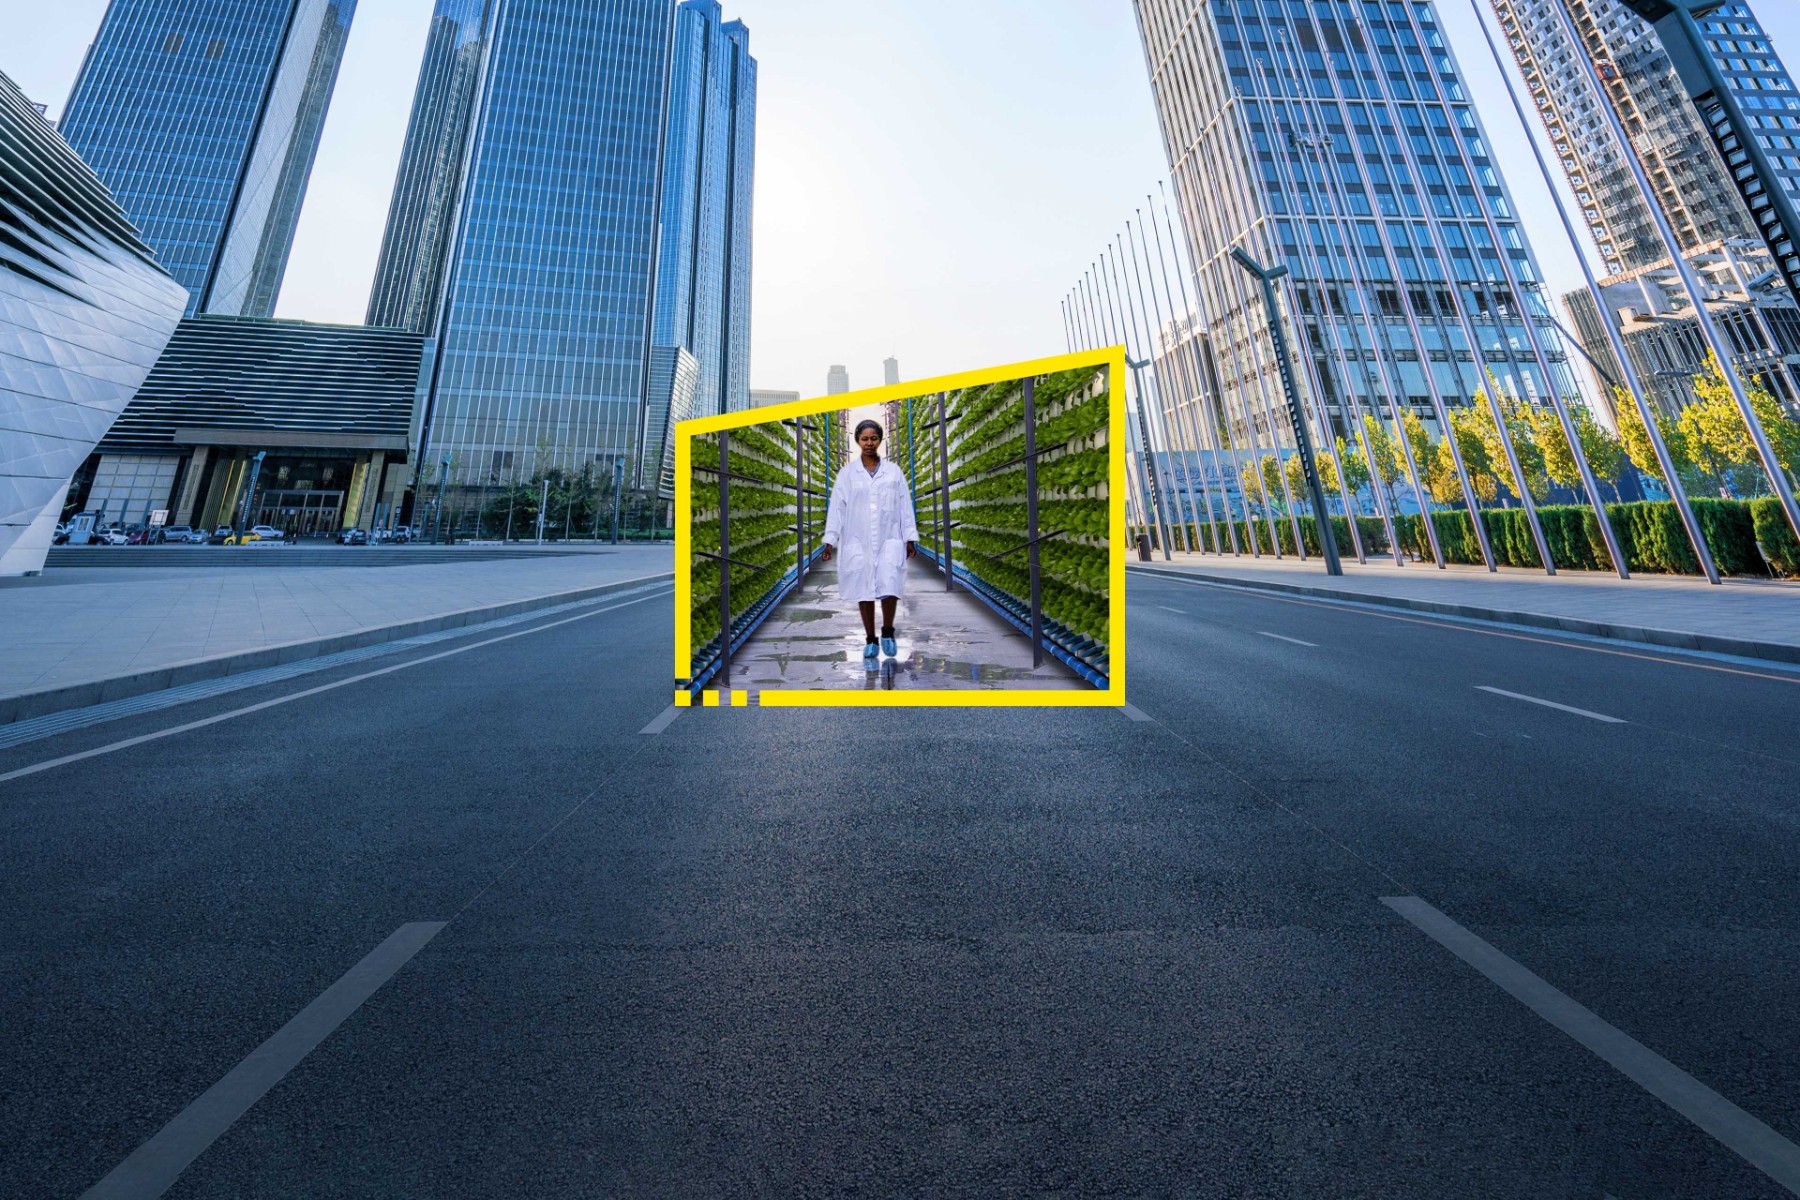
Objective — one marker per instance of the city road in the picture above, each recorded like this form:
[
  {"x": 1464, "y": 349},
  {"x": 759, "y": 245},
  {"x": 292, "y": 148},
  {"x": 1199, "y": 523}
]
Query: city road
[{"x": 1348, "y": 903}]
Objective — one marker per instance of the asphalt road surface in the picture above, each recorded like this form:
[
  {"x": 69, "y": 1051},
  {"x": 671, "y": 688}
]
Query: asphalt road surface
[{"x": 1348, "y": 904}]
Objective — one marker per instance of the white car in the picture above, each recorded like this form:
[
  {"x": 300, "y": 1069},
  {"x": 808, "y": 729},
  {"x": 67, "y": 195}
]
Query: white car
[
  {"x": 267, "y": 533},
  {"x": 111, "y": 537}
]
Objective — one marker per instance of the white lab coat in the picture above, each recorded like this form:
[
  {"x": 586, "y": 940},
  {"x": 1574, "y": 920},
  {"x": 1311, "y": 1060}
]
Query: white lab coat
[{"x": 869, "y": 521}]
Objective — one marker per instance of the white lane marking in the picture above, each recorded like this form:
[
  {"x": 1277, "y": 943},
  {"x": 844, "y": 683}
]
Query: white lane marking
[
  {"x": 665, "y": 719},
  {"x": 152, "y": 1168},
  {"x": 1166, "y": 608},
  {"x": 1766, "y": 1150},
  {"x": 127, "y": 743},
  {"x": 1135, "y": 713},
  {"x": 1282, "y": 637},
  {"x": 1580, "y": 712}
]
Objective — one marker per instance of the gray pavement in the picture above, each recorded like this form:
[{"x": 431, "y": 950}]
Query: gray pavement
[
  {"x": 1760, "y": 618},
  {"x": 111, "y": 622},
  {"x": 947, "y": 640},
  {"x": 808, "y": 952}
]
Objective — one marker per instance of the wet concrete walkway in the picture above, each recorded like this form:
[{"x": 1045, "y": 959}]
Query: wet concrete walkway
[{"x": 947, "y": 641}]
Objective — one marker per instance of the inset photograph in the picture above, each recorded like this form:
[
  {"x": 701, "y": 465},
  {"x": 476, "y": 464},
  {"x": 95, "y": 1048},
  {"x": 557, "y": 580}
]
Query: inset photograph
[{"x": 943, "y": 542}]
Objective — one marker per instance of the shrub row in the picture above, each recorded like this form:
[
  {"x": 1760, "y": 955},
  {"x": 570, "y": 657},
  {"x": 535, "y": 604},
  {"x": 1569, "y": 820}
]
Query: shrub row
[{"x": 1746, "y": 537}]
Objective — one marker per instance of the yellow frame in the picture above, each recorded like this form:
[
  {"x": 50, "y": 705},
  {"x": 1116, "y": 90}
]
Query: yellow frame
[{"x": 1113, "y": 695}]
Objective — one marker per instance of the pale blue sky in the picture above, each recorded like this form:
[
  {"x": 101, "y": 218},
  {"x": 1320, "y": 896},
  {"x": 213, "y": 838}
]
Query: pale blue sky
[{"x": 930, "y": 175}]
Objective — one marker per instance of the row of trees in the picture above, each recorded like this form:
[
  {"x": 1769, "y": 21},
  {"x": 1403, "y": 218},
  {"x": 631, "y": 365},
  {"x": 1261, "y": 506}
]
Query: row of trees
[
  {"x": 579, "y": 505},
  {"x": 1711, "y": 449}
]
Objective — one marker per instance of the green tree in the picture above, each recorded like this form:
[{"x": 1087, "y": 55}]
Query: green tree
[
  {"x": 1720, "y": 440},
  {"x": 1354, "y": 466},
  {"x": 1472, "y": 426},
  {"x": 1270, "y": 467},
  {"x": 1388, "y": 464},
  {"x": 1635, "y": 439}
]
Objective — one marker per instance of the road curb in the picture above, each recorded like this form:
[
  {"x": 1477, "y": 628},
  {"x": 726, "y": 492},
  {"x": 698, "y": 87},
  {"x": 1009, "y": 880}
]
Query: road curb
[
  {"x": 97, "y": 691},
  {"x": 1673, "y": 638}
]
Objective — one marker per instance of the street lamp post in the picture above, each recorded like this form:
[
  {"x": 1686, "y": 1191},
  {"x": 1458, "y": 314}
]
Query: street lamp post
[
  {"x": 256, "y": 463},
  {"x": 618, "y": 482},
  {"x": 1296, "y": 414}
]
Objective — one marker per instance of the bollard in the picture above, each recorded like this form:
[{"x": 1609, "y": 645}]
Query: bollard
[{"x": 1144, "y": 547}]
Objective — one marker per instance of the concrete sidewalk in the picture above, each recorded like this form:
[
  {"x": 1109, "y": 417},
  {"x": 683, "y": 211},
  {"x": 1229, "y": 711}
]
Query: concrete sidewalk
[
  {"x": 948, "y": 641},
  {"x": 70, "y": 642},
  {"x": 1756, "y": 619}
]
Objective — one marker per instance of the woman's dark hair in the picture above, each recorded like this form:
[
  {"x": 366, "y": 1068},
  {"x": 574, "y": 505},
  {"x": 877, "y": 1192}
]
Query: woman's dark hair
[{"x": 862, "y": 425}]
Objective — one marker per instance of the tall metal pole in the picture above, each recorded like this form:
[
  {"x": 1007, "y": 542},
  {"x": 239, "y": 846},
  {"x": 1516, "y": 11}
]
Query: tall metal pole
[
  {"x": 1400, "y": 402},
  {"x": 943, "y": 505},
  {"x": 1147, "y": 401},
  {"x": 1228, "y": 304},
  {"x": 1153, "y": 487},
  {"x": 1608, "y": 319},
  {"x": 1527, "y": 318},
  {"x": 1031, "y": 525},
  {"x": 1179, "y": 362},
  {"x": 1196, "y": 309},
  {"x": 1689, "y": 280},
  {"x": 724, "y": 559},
  {"x": 1182, "y": 511},
  {"x": 1296, "y": 413}
]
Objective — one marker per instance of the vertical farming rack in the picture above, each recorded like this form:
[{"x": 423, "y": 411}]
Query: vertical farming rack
[
  {"x": 758, "y": 512},
  {"x": 1010, "y": 486}
]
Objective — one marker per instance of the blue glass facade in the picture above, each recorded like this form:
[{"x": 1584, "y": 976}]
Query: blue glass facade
[
  {"x": 543, "y": 329},
  {"x": 203, "y": 118},
  {"x": 1340, "y": 141},
  {"x": 409, "y": 276},
  {"x": 703, "y": 266}
]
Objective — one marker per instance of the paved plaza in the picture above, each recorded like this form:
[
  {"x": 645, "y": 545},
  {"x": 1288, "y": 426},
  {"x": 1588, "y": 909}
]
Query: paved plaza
[
  {"x": 78, "y": 625},
  {"x": 1760, "y": 618}
]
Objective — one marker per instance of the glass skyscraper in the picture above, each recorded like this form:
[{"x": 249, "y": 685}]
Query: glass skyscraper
[
  {"x": 203, "y": 118},
  {"x": 703, "y": 262},
  {"x": 1712, "y": 224},
  {"x": 542, "y": 317},
  {"x": 409, "y": 275},
  {"x": 1691, "y": 182},
  {"x": 1339, "y": 140}
]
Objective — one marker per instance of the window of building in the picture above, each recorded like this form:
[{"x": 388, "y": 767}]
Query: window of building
[{"x": 172, "y": 44}]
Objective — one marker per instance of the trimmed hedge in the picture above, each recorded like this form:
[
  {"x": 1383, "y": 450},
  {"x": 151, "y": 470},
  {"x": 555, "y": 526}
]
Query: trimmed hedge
[{"x": 1746, "y": 537}]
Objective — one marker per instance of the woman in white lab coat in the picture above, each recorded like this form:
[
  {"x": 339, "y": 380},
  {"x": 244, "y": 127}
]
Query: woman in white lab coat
[{"x": 870, "y": 524}]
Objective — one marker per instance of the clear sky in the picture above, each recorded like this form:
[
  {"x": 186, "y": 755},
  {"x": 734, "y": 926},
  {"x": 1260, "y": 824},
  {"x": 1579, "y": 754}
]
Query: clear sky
[{"x": 931, "y": 176}]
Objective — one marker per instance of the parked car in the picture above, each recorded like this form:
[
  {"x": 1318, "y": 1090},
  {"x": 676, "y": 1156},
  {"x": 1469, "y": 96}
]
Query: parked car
[
  {"x": 353, "y": 537},
  {"x": 110, "y": 536},
  {"x": 221, "y": 536},
  {"x": 174, "y": 534},
  {"x": 61, "y": 536}
]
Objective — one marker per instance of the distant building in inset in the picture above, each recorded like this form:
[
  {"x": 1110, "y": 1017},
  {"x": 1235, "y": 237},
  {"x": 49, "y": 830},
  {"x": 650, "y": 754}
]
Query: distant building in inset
[
  {"x": 763, "y": 396},
  {"x": 890, "y": 370},
  {"x": 837, "y": 380}
]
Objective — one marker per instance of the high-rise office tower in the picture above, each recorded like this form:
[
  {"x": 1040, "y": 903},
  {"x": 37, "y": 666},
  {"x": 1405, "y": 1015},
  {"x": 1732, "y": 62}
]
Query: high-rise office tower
[
  {"x": 1690, "y": 182},
  {"x": 703, "y": 261},
  {"x": 703, "y": 254},
  {"x": 890, "y": 370},
  {"x": 545, "y": 215},
  {"x": 1340, "y": 141},
  {"x": 837, "y": 380},
  {"x": 409, "y": 275},
  {"x": 203, "y": 118}
]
